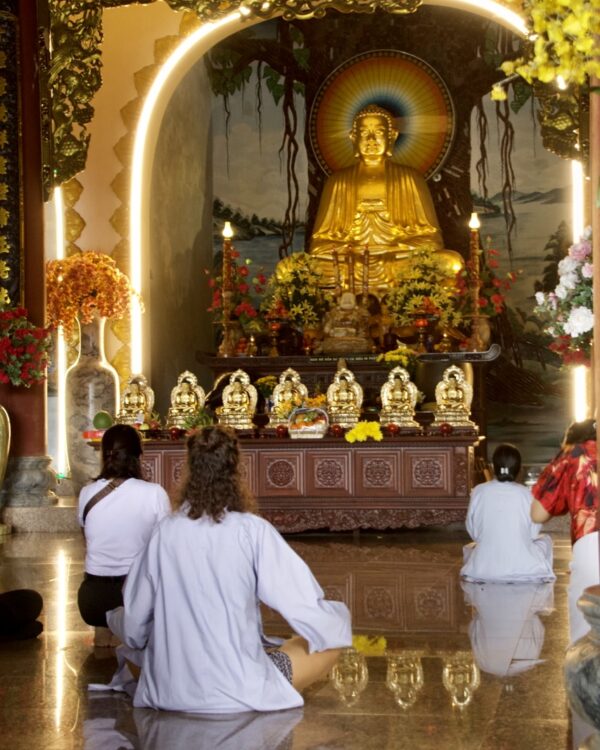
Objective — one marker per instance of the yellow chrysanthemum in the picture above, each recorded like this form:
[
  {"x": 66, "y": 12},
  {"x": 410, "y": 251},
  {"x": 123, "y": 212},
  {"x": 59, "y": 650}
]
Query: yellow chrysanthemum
[{"x": 369, "y": 645}]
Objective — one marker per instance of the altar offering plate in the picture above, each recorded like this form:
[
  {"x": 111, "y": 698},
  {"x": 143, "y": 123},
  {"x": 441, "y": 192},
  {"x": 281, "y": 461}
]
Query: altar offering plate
[{"x": 308, "y": 423}]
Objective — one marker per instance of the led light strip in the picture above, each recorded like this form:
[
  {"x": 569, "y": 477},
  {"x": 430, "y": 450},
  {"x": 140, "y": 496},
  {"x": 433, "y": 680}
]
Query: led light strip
[
  {"x": 137, "y": 172},
  {"x": 62, "y": 462}
]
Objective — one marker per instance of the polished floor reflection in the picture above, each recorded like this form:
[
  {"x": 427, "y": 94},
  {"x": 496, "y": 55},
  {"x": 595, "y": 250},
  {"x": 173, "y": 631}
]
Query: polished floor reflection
[{"x": 441, "y": 664}]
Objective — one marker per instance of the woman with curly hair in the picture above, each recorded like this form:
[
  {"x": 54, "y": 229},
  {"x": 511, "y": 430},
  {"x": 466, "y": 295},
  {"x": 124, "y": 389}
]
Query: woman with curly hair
[
  {"x": 191, "y": 601},
  {"x": 117, "y": 512}
]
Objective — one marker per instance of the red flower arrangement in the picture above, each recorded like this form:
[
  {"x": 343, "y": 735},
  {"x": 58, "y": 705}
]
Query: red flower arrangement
[
  {"x": 244, "y": 286},
  {"x": 23, "y": 349},
  {"x": 492, "y": 289}
]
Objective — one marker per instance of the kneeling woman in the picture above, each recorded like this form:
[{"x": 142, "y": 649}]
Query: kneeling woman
[{"x": 191, "y": 600}]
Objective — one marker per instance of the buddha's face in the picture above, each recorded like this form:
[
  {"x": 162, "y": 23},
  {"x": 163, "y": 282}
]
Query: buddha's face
[{"x": 373, "y": 137}]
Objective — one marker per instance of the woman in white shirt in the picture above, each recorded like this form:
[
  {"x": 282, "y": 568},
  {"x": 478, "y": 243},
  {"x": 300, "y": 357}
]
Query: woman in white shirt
[
  {"x": 117, "y": 527},
  {"x": 191, "y": 601},
  {"x": 507, "y": 545}
]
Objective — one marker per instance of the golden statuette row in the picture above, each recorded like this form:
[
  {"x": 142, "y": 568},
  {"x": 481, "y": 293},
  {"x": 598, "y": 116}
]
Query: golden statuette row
[{"x": 344, "y": 400}]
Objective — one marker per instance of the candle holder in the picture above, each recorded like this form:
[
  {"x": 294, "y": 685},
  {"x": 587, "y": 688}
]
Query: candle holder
[
  {"x": 476, "y": 342},
  {"x": 274, "y": 328},
  {"x": 227, "y": 346}
]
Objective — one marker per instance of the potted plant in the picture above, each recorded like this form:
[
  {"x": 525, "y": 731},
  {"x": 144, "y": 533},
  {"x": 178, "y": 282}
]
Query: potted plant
[
  {"x": 24, "y": 356},
  {"x": 427, "y": 293},
  {"x": 294, "y": 292},
  {"x": 567, "y": 311}
]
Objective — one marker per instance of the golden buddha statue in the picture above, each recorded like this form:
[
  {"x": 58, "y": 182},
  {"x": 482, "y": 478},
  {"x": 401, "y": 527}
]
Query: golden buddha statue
[
  {"x": 399, "y": 400},
  {"x": 239, "y": 402},
  {"x": 187, "y": 398},
  {"x": 289, "y": 394},
  {"x": 453, "y": 397},
  {"x": 344, "y": 399},
  {"x": 374, "y": 213},
  {"x": 137, "y": 401},
  {"x": 346, "y": 328}
]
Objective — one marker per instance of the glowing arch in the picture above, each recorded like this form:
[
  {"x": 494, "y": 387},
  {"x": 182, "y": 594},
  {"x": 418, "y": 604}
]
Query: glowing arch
[{"x": 170, "y": 74}]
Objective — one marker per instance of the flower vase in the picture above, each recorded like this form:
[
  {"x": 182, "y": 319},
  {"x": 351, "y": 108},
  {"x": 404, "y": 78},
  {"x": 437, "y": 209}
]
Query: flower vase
[{"x": 91, "y": 385}]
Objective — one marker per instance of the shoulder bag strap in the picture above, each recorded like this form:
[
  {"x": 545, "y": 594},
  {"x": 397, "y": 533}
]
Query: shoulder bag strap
[{"x": 112, "y": 485}]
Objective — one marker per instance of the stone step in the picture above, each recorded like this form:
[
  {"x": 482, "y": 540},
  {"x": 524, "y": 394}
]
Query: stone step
[{"x": 50, "y": 519}]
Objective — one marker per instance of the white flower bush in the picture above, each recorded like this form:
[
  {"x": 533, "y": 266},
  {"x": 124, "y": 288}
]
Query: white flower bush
[{"x": 567, "y": 312}]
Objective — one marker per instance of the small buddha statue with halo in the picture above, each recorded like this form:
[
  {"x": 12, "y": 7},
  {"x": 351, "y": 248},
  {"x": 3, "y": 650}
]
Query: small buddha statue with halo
[
  {"x": 399, "y": 400},
  {"x": 289, "y": 393},
  {"x": 346, "y": 328},
  {"x": 187, "y": 398},
  {"x": 344, "y": 398},
  {"x": 453, "y": 397},
  {"x": 239, "y": 402},
  {"x": 137, "y": 401}
]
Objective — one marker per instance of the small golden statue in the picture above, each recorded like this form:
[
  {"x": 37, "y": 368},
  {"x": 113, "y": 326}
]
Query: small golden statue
[
  {"x": 453, "y": 397},
  {"x": 137, "y": 401},
  {"x": 399, "y": 400},
  {"x": 373, "y": 214},
  {"x": 239, "y": 402},
  {"x": 346, "y": 328},
  {"x": 289, "y": 393},
  {"x": 187, "y": 398},
  {"x": 344, "y": 399}
]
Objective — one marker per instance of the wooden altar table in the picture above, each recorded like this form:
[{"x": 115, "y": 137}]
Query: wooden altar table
[{"x": 331, "y": 484}]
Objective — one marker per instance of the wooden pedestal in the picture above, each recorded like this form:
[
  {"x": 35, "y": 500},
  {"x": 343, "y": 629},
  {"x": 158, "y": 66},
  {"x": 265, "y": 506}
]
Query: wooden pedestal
[{"x": 340, "y": 486}]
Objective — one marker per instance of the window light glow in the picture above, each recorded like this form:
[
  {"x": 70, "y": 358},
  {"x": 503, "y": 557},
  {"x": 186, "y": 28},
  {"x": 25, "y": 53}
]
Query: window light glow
[
  {"x": 579, "y": 384},
  {"x": 577, "y": 205}
]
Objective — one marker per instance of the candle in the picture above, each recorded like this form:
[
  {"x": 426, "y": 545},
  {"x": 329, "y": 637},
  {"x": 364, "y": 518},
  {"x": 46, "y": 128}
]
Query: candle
[
  {"x": 351, "y": 271},
  {"x": 227, "y": 235},
  {"x": 365, "y": 281},
  {"x": 474, "y": 225}
]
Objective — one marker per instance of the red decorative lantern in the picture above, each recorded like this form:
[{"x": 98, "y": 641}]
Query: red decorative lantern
[
  {"x": 337, "y": 430},
  {"x": 446, "y": 429},
  {"x": 281, "y": 431},
  {"x": 392, "y": 429},
  {"x": 176, "y": 433}
]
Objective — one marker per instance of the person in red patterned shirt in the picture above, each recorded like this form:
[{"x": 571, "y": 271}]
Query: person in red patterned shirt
[{"x": 569, "y": 484}]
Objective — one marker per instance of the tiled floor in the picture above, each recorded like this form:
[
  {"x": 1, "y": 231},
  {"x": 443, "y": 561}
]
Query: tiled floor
[{"x": 463, "y": 669}]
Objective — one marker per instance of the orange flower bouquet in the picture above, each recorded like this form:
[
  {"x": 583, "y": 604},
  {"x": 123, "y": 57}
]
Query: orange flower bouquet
[{"x": 83, "y": 285}]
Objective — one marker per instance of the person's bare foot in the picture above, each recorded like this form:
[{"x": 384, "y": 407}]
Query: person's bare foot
[{"x": 104, "y": 638}]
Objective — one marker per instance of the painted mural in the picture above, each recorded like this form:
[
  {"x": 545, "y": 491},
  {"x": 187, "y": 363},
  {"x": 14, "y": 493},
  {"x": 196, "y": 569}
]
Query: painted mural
[{"x": 528, "y": 393}]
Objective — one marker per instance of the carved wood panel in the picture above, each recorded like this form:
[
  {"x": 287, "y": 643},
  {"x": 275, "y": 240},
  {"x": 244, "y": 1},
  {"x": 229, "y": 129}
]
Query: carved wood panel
[
  {"x": 281, "y": 474},
  {"x": 152, "y": 467},
  {"x": 376, "y": 473},
  {"x": 173, "y": 467},
  {"x": 426, "y": 472},
  {"x": 329, "y": 473},
  {"x": 248, "y": 469}
]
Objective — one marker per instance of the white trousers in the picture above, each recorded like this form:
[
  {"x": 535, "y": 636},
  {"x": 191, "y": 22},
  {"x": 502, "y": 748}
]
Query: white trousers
[{"x": 585, "y": 571}]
